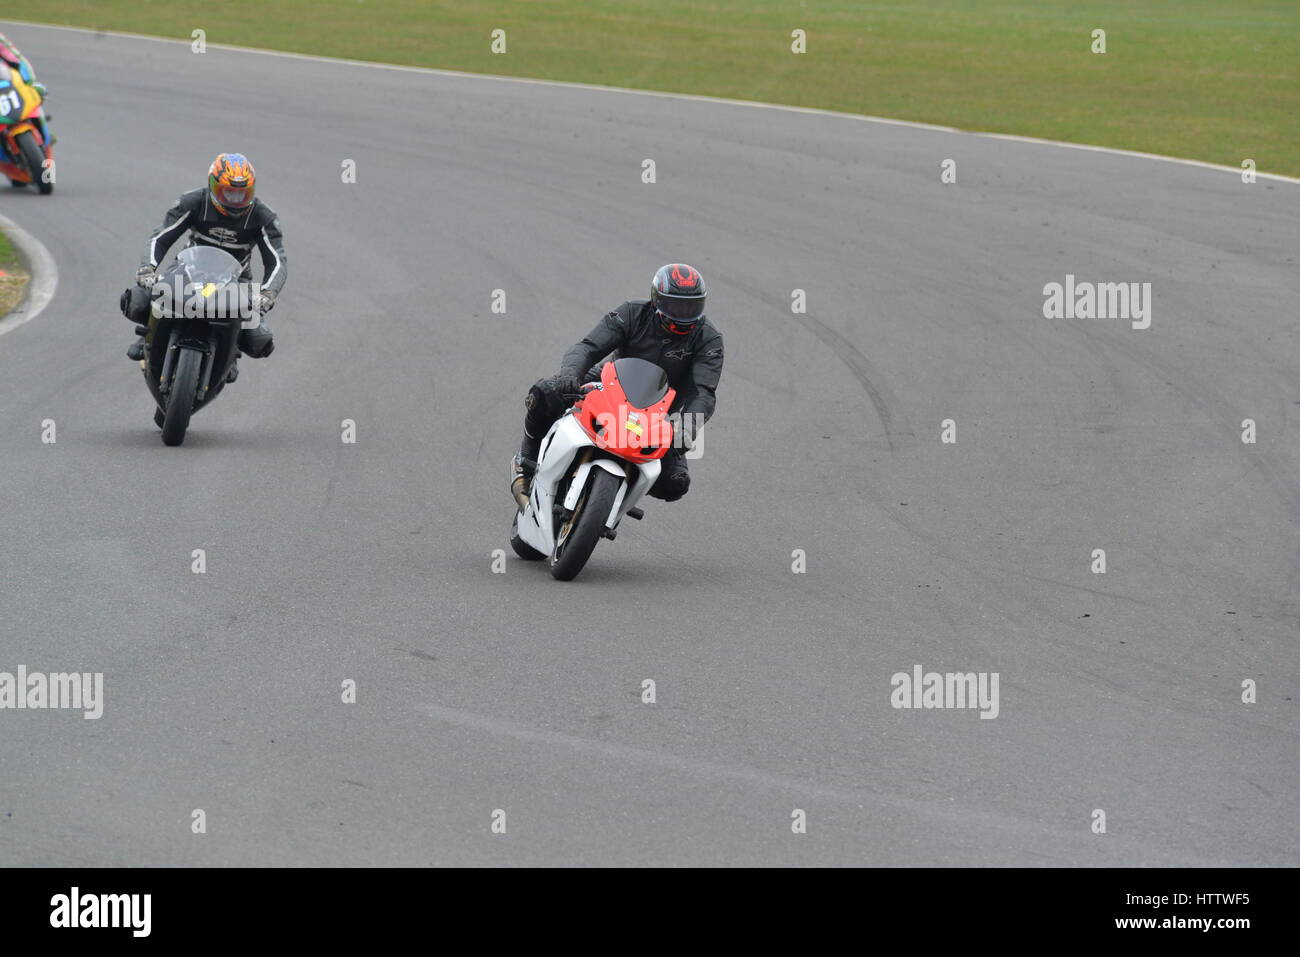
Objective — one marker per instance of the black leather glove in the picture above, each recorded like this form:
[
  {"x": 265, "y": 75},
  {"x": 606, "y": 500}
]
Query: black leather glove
[
  {"x": 263, "y": 302},
  {"x": 568, "y": 384}
]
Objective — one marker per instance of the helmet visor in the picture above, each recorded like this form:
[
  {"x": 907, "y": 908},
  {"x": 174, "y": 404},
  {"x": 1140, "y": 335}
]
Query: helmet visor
[
  {"x": 234, "y": 197},
  {"x": 681, "y": 309}
]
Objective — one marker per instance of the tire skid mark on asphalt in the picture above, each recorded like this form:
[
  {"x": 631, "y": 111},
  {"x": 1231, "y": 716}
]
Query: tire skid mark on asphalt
[
  {"x": 862, "y": 369},
  {"x": 857, "y": 364}
]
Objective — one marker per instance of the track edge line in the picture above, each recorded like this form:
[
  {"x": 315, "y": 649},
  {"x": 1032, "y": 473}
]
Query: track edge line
[{"x": 44, "y": 279}]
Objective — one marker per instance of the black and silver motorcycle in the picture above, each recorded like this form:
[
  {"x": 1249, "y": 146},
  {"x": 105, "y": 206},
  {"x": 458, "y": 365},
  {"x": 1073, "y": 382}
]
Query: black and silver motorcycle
[{"x": 199, "y": 306}]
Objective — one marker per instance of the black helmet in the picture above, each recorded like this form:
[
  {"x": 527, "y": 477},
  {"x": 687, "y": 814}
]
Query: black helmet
[{"x": 678, "y": 296}]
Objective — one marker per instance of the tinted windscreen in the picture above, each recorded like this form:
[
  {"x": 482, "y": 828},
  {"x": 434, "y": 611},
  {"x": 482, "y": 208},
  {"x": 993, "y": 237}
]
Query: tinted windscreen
[
  {"x": 643, "y": 382},
  {"x": 208, "y": 264},
  {"x": 202, "y": 283}
]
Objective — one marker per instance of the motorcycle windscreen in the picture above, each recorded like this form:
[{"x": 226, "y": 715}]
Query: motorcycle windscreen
[
  {"x": 203, "y": 264},
  {"x": 644, "y": 383},
  {"x": 202, "y": 283}
]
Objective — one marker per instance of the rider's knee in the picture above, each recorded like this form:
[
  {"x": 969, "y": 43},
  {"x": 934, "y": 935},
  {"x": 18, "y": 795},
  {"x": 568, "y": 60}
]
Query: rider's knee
[
  {"x": 543, "y": 401},
  {"x": 672, "y": 484},
  {"x": 543, "y": 390},
  {"x": 134, "y": 304},
  {"x": 256, "y": 343}
]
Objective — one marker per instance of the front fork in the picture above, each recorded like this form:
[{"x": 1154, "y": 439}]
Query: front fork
[
  {"x": 175, "y": 342},
  {"x": 562, "y": 514}
]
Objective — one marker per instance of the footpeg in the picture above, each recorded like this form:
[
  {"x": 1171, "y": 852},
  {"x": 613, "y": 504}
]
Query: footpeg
[{"x": 636, "y": 513}]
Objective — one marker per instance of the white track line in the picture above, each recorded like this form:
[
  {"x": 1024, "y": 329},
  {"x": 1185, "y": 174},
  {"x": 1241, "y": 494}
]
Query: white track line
[
  {"x": 45, "y": 276},
  {"x": 1236, "y": 171}
]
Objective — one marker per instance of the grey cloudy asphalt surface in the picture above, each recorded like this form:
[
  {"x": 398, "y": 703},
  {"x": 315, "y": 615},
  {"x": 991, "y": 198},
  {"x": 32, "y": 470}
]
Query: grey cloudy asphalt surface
[{"x": 479, "y": 691}]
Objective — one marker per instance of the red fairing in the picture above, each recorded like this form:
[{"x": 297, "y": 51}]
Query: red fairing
[{"x": 617, "y": 426}]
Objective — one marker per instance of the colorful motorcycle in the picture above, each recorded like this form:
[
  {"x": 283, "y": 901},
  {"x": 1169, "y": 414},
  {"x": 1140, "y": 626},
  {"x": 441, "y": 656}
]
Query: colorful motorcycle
[{"x": 26, "y": 146}]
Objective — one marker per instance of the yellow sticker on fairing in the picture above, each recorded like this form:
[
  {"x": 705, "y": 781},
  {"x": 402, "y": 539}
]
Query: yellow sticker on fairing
[{"x": 209, "y": 289}]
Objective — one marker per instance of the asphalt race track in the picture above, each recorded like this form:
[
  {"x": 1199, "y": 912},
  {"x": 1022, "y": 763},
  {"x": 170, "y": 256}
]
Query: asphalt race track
[{"x": 478, "y": 691}]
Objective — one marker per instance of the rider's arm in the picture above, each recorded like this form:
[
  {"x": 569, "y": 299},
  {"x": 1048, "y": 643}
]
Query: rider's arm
[
  {"x": 275, "y": 268},
  {"x": 14, "y": 57},
  {"x": 610, "y": 334},
  {"x": 174, "y": 225},
  {"x": 706, "y": 371}
]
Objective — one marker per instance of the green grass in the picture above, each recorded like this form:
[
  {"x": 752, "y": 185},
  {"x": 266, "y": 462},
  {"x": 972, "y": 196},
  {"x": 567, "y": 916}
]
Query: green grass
[
  {"x": 13, "y": 277},
  {"x": 1216, "y": 80},
  {"x": 8, "y": 257}
]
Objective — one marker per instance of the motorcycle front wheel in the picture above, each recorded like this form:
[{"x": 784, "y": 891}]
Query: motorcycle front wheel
[
  {"x": 180, "y": 401},
  {"x": 34, "y": 160},
  {"x": 579, "y": 535}
]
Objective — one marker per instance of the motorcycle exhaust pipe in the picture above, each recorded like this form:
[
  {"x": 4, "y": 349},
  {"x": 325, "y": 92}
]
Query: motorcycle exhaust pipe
[{"x": 518, "y": 488}]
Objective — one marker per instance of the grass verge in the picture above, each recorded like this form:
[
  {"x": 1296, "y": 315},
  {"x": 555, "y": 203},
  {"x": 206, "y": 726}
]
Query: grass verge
[
  {"x": 13, "y": 277},
  {"x": 1203, "y": 79}
]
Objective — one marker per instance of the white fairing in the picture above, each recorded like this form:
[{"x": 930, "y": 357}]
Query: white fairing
[{"x": 565, "y": 440}]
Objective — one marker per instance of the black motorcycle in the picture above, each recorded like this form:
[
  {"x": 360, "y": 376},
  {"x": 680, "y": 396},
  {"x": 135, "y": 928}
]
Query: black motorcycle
[{"x": 199, "y": 305}]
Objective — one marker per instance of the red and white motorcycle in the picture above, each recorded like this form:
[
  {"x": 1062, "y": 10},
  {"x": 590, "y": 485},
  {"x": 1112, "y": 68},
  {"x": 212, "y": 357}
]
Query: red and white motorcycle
[{"x": 596, "y": 462}]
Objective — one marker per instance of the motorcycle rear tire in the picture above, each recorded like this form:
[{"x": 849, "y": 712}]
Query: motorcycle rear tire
[{"x": 521, "y": 547}]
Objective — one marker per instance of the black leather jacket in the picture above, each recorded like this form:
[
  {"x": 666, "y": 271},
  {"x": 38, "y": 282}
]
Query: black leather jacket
[
  {"x": 258, "y": 226},
  {"x": 693, "y": 361}
]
